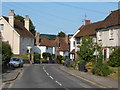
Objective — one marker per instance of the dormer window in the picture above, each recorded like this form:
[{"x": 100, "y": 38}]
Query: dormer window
[
  {"x": 100, "y": 36},
  {"x": 111, "y": 34}
]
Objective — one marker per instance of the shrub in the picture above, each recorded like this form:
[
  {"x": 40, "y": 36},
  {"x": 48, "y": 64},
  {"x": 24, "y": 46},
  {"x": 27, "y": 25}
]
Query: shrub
[
  {"x": 46, "y": 55},
  {"x": 89, "y": 64},
  {"x": 114, "y": 59},
  {"x": 59, "y": 58},
  {"x": 101, "y": 69},
  {"x": 6, "y": 52},
  {"x": 37, "y": 56}
]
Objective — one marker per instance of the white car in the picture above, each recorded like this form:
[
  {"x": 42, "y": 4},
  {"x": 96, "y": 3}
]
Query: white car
[{"x": 16, "y": 62}]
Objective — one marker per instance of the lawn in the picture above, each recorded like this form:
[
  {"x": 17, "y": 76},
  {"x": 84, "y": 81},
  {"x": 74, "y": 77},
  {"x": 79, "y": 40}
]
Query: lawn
[{"x": 115, "y": 75}]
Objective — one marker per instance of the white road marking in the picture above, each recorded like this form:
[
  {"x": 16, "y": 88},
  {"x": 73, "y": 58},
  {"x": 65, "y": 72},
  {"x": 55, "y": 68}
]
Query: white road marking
[
  {"x": 58, "y": 83},
  {"x": 51, "y": 77},
  {"x": 47, "y": 73}
]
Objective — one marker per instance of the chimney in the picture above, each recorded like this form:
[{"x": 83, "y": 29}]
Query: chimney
[
  {"x": 87, "y": 22},
  {"x": 27, "y": 22},
  {"x": 11, "y": 18},
  {"x": 37, "y": 36},
  {"x": 111, "y": 12}
]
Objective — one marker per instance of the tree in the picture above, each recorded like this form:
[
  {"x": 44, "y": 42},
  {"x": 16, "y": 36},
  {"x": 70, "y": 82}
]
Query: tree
[
  {"x": 114, "y": 59},
  {"x": 86, "y": 49},
  {"x": 32, "y": 27},
  {"x": 6, "y": 52},
  {"x": 61, "y": 34}
]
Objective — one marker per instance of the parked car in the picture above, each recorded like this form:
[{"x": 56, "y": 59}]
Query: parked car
[
  {"x": 67, "y": 62},
  {"x": 16, "y": 62}
]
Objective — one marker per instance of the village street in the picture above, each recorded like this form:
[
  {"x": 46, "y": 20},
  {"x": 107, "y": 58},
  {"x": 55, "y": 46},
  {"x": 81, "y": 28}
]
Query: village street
[{"x": 47, "y": 76}]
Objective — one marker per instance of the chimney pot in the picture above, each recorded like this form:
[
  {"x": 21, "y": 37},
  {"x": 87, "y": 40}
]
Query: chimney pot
[{"x": 87, "y": 22}]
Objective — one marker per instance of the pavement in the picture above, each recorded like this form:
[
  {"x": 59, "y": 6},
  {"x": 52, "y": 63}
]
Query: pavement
[{"x": 98, "y": 80}]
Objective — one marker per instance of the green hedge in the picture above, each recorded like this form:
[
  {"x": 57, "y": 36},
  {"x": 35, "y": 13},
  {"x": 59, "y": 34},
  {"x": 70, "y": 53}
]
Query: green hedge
[{"x": 114, "y": 59}]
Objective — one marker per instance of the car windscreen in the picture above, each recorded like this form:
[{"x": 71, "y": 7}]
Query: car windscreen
[{"x": 15, "y": 59}]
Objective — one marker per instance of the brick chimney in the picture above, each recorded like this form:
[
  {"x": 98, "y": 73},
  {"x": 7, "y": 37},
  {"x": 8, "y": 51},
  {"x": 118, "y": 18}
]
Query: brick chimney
[
  {"x": 11, "y": 18},
  {"x": 37, "y": 36},
  {"x": 27, "y": 22},
  {"x": 87, "y": 22}
]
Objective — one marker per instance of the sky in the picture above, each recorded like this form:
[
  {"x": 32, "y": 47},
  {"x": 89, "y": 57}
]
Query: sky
[{"x": 53, "y": 17}]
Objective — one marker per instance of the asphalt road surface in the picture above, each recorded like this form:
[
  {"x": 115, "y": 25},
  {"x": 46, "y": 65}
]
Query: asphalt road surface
[{"x": 48, "y": 76}]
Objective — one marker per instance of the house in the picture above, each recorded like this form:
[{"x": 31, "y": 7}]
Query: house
[
  {"x": 108, "y": 33},
  {"x": 62, "y": 47},
  {"x": 72, "y": 46},
  {"x": 89, "y": 29},
  {"x": 16, "y": 34},
  {"x": 44, "y": 45},
  {"x": 59, "y": 46}
]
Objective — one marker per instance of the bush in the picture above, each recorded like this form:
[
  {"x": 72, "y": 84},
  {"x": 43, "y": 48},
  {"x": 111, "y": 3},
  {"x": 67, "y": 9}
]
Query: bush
[
  {"x": 6, "y": 52},
  {"x": 59, "y": 58},
  {"x": 101, "y": 69},
  {"x": 114, "y": 59},
  {"x": 37, "y": 56},
  {"x": 46, "y": 55}
]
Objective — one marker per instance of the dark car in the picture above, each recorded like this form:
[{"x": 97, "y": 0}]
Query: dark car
[
  {"x": 16, "y": 62},
  {"x": 67, "y": 62}
]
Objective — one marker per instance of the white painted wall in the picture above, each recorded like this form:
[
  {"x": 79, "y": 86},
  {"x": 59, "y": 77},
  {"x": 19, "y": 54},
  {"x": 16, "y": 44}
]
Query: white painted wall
[{"x": 106, "y": 42}]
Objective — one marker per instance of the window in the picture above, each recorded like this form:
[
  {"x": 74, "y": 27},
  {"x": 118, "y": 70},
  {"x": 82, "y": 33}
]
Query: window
[
  {"x": 1, "y": 27},
  {"x": 111, "y": 34},
  {"x": 78, "y": 40},
  {"x": 47, "y": 48},
  {"x": 74, "y": 44},
  {"x": 100, "y": 36}
]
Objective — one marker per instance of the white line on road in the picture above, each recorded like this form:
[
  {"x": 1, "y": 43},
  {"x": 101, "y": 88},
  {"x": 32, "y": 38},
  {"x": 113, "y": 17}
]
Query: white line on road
[
  {"x": 58, "y": 83},
  {"x": 51, "y": 77},
  {"x": 47, "y": 73}
]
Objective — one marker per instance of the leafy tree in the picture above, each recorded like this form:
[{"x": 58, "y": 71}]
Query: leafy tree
[
  {"x": 32, "y": 27},
  {"x": 61, "y": 34},
  {"x": 6, "y": 52},
  {"x": 114, "y": 59},
  {"x": 86, "y": 49}
]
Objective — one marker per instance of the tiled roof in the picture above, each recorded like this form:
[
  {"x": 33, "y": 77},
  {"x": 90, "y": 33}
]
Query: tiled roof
[
  {"x": 111, "y": 20},
  {"x": 46, "y": 42},
  {"x": 63, "y": 45},
  {"x": 20, "y": 29},
  {"x": 88, "y": 30}
]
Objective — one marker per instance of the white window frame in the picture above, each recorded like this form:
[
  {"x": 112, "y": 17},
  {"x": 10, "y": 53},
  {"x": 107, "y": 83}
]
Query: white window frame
[
  {"x": 100, "y": 36},
  {"x": 111, "y": 34},
  {"x": 1, "y": 27}
]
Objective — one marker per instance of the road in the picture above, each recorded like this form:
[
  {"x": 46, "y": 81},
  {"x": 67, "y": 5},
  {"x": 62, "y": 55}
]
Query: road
[{"x": 48, "y": 76}]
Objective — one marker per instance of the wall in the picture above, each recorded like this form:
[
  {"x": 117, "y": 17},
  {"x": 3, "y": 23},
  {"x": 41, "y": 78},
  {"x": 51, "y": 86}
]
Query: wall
[{"x": 25, "y": 42}]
